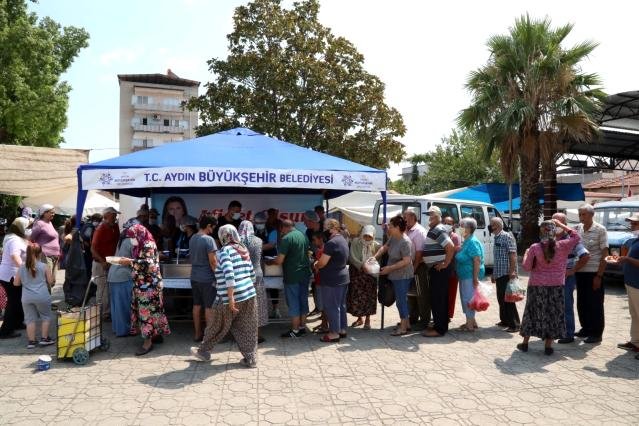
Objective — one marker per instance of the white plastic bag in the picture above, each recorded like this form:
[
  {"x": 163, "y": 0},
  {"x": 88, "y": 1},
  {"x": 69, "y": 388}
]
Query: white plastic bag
[
  {"x": 371, "y": 266},
  {"x": 485, "y": 288}
]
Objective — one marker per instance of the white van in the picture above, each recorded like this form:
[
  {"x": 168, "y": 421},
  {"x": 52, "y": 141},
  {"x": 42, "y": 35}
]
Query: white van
[{"x": 457, "y": 209}]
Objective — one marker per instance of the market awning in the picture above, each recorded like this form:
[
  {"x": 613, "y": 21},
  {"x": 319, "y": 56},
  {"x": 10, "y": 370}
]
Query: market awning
[{"x": 569, "y": 195}]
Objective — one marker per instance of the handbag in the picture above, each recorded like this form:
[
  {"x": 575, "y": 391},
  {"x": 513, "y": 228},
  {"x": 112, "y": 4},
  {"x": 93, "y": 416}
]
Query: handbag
[{"x": 385, "y": 291}]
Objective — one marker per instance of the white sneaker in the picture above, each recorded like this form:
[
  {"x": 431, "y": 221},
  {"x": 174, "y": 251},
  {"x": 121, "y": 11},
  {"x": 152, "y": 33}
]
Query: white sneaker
[{"x": 201, "y": 356}]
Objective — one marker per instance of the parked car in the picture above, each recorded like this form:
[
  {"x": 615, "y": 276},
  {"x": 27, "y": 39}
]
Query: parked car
[
  {"x": 457, "y": 209},
  {"x": 612, "y": 215}
]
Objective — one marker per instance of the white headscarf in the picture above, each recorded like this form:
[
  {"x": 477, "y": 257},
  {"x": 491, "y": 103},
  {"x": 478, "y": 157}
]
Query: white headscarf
[{"x": 367, "y": 246}]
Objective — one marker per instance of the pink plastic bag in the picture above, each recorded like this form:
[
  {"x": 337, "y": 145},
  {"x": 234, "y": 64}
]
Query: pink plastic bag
[{"x": 479, "y": 302}]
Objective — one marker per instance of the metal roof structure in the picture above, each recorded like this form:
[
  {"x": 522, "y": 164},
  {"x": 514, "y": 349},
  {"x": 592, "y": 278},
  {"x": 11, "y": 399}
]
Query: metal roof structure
[{"x": 618, "y": 144}]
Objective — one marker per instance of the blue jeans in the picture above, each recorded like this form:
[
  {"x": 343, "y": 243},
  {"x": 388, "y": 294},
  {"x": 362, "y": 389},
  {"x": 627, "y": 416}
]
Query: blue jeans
[
  {"x": 569, "y": 302},
  {"x": 120, "y": 298},
  {"x": 401, "y": 296},
  {"x": 466, "y": 291},
  {"x": 334, "y": 304},
  {"x": 297, "y": 298}
]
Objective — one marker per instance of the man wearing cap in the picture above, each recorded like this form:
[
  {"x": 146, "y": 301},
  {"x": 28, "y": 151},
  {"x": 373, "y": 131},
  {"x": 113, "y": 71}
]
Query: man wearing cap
[
  {"x": 104, "y": 243},
  {"x": 630, "y": 264},
  {"x": 438, "y": 252},
  {"x": 44, "y": 234}
]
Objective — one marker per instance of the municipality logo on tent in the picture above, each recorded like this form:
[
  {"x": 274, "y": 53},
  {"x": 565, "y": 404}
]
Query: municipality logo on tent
[
  {"x": 106, "y": 178},
  {"x": 347, "y": 180}
]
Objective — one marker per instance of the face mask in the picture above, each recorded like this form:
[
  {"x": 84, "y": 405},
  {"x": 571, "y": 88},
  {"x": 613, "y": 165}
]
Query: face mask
[
  {"x": 95, "y": 223},
  {"x": 635, "y": 232},
  {"x": 448, "y": 228},
  {"x": 182, "y": 228},
  {"x": 260, "y": 226},
  {"x": 236, "y": 216},
  {"x": 153, "y": 221},
  {"x": 134, "y": 242}
]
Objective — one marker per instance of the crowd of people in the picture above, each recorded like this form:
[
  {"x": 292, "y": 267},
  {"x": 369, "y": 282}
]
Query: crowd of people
[{"x": 424, "y": 265}]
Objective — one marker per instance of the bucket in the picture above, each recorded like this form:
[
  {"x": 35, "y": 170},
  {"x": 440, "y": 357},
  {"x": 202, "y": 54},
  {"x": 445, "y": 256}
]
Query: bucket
[{"x": 44, "y": 363}]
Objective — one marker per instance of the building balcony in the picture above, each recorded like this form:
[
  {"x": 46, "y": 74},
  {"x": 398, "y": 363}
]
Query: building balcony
[
  {"x": 156, "y": 128},
  {"x": 157, "y": 107}
]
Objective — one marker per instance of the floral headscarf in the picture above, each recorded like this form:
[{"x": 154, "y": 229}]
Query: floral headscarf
[
  {"x": 246, "y": 232},
  {"x": 547, "y": 230},
  {"x": 229, "y": 236},
  {"x": 141, "y": 234}
]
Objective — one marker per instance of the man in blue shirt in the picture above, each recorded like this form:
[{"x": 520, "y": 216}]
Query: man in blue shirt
[{"x": 630, "y": 263}]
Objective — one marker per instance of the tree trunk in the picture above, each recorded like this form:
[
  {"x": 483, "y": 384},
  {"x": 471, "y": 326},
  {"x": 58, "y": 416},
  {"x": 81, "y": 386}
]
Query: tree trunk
[
  {"x": 529, "y": 209},
  {"x": 549, "y": 179}
]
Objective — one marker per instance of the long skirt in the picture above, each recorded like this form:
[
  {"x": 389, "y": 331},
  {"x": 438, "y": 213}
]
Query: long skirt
[
  {"x": 262, "y": 302},
  {"x": 120, "y": 300},
  {"x": 544, "y": 313},
  {"x": 361, "y": 299},
  {"x": 242, "y": 325},
  {"x": 147, "y": 313}
]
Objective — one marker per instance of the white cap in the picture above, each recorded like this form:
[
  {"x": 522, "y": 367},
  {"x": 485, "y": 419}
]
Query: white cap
[
  {"x": 434, "y": 210},
  {"x": 110, "y": 210}
]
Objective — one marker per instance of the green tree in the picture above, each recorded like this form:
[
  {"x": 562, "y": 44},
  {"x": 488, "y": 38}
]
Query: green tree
[
  {"x": 454, "y": 163},
  {"x": 529, "y": 101},
  {"x": 33, "y": 55},
  {"x": 288, "y": 76}
]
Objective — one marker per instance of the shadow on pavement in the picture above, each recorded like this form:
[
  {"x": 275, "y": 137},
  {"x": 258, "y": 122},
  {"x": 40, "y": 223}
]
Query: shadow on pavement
[{"x": 624, "y": 366}]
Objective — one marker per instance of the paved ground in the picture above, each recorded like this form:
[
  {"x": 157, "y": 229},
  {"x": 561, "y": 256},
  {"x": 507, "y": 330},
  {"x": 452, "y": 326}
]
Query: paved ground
[{"x": 369, "y": 378}]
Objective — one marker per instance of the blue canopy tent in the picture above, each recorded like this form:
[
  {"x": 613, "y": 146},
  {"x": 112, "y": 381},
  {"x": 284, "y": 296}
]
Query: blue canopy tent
[
  {"x": 233, "y": 161},
  {"x": 497, "y": 194}
]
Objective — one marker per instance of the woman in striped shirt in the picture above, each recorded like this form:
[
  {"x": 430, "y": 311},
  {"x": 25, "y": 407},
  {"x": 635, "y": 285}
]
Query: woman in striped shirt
[{"x": 235, "y": 309}]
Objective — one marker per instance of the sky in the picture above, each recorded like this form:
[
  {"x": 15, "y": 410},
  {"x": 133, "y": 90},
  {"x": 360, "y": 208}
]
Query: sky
[{"x": 423, "y": 51}]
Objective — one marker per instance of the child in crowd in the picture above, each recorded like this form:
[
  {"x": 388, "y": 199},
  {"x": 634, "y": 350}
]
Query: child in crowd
[
  {"x": 34, "y": 276},
  {"x": 318, "y": 243}
]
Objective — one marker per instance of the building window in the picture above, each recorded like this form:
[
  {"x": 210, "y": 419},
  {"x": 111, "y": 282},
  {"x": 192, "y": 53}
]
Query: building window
[
  {"x": 142, "y": 100},
  {"x": 145, "y": 121},
  {"x": 167, "y": 122}
]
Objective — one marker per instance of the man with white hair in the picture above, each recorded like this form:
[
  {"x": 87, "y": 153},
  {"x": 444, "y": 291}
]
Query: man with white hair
[
  {"x": 576, "y": 260},
  {"x": 438, "y": 252},
  {"x": 504, "y": 269},
  {"x": 419, "y": 307},
  {"x": 590, "y": 289}
]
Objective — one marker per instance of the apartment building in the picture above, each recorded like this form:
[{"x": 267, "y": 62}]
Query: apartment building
[{"x": 151, "y": 110}]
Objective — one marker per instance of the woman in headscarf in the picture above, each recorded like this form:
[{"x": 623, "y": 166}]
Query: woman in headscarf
[
  {"x": 235, "y": 310},
  {"x": 147, "y": 307},
  {"x": 546, "y": 261},
  {"x": 254, "y": 246},
  {"x": 361, "y": 300},
  {"x": 48, "y": 238},
  {"x": 14, "y": 250}
]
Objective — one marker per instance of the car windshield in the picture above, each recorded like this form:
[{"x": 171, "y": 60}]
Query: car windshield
[{"x": 614, "y": 218}]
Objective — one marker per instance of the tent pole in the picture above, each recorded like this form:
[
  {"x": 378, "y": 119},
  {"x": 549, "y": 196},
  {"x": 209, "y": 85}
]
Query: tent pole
[{"x": 384, "y": 222}]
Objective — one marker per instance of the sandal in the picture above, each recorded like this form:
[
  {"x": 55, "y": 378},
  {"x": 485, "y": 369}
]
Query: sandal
[
  {"x": 357, "y": 323},
  {"x": 399, "y": 333},
  {"x": 142, "y": 351},
  {"x": 319, "y": 329},
  {"x": 327, "y": 339},
  {"x": 465, "y": 327},
  {"x": 399, "y": 324},
  {"x": 367, "y": 326}
]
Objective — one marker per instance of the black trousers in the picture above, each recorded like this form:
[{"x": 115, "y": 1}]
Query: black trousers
[
  {"x": 13, "y": 315},
  {"x": 438, "y": 288},
  {"x": 507, "y": 310},
  {"x": 590, "y": 305}
]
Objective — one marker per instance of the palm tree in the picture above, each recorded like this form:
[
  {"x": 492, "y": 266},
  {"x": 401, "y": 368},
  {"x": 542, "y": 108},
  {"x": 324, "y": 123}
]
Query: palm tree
[{"x": 529, "y": 102}]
